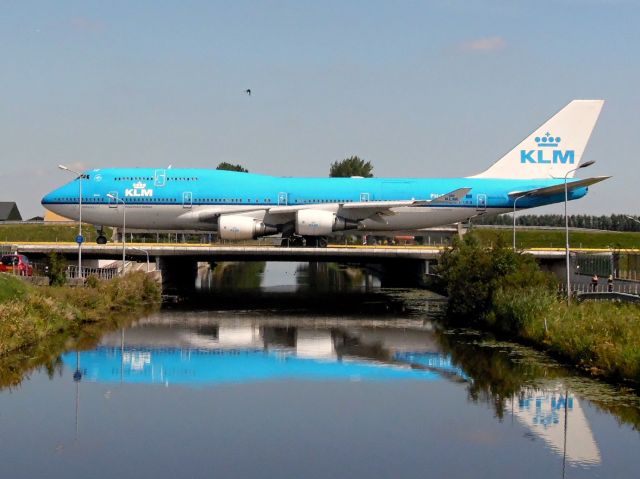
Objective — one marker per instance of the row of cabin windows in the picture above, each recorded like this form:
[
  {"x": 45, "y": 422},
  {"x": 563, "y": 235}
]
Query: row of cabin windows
[
  {"x": 324, "y": 201},
  {"x": 143, "y": 178},
  {"x": 126, "y": 200},
  {"x": 173, "y": 200}
]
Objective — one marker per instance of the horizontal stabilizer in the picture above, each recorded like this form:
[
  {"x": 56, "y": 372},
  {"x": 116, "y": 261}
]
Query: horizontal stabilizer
[{"x": 558, "y": 189}]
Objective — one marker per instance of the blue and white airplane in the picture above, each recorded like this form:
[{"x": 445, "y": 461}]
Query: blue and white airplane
[{"x": 242, "y": 206}]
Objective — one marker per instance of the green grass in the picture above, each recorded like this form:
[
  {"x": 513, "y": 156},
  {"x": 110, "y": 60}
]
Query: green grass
[
  {"x": 11, "y": 288},
  {"x": 602, "y": 338},
  {"x": 47, "y": 232},
  {"x": 530, "y": 238},
  {"x": 498, "y": 289},
  {"x": 31, "y": 314}
]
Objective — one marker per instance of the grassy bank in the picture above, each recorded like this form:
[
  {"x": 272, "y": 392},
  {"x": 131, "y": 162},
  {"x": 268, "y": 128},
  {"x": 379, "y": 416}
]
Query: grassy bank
[
  {"x": 537, "y": 238},
  {"x": 29, "y": 314},
  {"x": 47, "y": 232},
  {"x": 504, "y": 291}
]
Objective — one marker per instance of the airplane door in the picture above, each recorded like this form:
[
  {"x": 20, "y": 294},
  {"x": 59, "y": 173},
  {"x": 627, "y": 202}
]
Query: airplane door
[
  {"x": 482, "y": 203},
  {"x": 364, "y": 197},
  {"x": 283, "y": 198},
  {"x": 160, "y": 178},
  {"x": 113, "y": 199},
  {"x": 187, "y": 199}
]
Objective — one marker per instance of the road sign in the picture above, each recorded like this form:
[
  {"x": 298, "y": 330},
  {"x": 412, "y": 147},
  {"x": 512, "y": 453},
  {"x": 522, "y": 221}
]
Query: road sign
[{"x": 79, "y": 239}]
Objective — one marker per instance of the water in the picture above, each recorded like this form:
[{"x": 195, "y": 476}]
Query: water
[{"x": 296, "y": 379}]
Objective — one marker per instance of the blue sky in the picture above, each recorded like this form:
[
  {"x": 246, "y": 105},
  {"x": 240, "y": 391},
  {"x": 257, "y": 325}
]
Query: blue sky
[{"x": 431, "y": 88}]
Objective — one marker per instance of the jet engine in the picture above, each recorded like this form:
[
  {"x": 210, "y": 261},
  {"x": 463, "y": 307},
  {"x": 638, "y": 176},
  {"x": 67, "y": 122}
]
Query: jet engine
[
  {"x": 236, "y": 227},
  {"x": 321, "y": 223}
]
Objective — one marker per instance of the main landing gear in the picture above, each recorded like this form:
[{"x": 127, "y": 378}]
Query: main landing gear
[
  {"x": 101, "y": 239},
  {"x": 296, "y": 241}
]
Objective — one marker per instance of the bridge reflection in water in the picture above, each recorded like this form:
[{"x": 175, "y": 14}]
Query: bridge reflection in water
[
  {"x": 240, "y": 352},
  {"x": 198, "y": 350}
]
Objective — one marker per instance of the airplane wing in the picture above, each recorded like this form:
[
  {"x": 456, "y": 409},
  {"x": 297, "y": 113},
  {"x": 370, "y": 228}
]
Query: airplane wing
[
  {"x": 378, "y": 209},
  {"x": 453, "y": 197},
  {"x": 358, "y": 210},
  {"x": 558, "y": 189},
  {"x": 210, "y": 214}
]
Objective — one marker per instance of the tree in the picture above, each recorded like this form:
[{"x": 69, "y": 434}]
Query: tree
[
  {"x": 472, "y": 275},
  {"x": 57, "y": 270},
  {"x": 353, "y": 166},
  {"x": 229, "y": 167}
]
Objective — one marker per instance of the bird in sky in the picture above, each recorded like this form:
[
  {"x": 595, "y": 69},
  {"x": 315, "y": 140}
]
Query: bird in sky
[{"x": 248, "y": 91}]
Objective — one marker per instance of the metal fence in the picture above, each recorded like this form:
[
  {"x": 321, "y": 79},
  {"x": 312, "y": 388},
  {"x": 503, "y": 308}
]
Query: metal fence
[
  {"x": 616, "y": 287},
  {"x": 101, "y": 273}
]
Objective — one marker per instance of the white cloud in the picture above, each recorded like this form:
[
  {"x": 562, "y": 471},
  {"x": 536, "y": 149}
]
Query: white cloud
[{"x": 486, "y": 44}]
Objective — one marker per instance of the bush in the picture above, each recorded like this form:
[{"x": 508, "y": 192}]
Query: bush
[
  {"x": 475, "y": 276},
  {"x": 57, "y": 270}
]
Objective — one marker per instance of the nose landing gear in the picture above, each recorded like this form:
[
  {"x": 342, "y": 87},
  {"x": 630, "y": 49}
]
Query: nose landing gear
[{"x": 101, "y": 239}]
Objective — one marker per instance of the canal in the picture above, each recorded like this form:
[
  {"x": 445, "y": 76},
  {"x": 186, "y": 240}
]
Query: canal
[{"x": 314, "y": 371}]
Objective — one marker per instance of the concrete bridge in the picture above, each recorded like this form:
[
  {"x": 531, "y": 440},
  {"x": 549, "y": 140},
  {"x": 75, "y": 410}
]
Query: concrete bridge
[
  {"x": 396, "y": 265},
  {"x": 252, "y": 252}
]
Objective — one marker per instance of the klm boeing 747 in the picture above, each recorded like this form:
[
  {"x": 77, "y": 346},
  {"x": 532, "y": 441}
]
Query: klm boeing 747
[{"x": 242, "y": 206}]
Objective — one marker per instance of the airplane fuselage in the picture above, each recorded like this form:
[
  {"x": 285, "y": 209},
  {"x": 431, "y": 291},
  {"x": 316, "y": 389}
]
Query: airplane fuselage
[{"x": 195, "y": 199}]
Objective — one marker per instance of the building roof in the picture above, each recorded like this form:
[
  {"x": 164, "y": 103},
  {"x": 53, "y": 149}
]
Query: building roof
[
  {"x": 9, "y": 211},
  {"x": 50, "y": 216}
]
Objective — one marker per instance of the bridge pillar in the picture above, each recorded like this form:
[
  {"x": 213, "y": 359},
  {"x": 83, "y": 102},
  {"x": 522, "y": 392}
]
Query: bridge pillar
[{"x": 178, "y": 274}]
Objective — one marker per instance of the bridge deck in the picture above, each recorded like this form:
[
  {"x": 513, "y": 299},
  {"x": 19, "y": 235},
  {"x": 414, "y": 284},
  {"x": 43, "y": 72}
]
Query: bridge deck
[
  {"x": 231, "y": 252},
  {"x": 245, "y": 252}
]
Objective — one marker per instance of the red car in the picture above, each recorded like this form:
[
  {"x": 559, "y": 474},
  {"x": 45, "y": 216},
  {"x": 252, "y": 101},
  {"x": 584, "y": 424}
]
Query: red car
[{"x": 16, "y": 264}]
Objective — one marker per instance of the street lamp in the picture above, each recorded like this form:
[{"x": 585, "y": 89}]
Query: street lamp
[
  {"x": 79, "y": 239},
  {"x": 124, "y": 227},
  {"x": 566, "y": 226},
  {"x": 145, "y": 252},
  {"x": 514, "y": 218}
]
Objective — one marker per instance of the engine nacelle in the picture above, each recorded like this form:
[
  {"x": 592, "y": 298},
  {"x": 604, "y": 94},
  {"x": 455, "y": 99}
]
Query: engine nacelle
[
  {"x": 321, "y": 223},
  {"x": 236, "y": 227}
]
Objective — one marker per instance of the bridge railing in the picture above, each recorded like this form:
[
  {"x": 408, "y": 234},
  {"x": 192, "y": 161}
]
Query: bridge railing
[
  {"x": 619, "y": 287},
  {"x": 72, "y": 272}
]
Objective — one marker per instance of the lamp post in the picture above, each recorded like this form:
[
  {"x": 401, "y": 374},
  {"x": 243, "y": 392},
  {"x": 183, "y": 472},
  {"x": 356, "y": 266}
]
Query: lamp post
[
  {"x": 124, "y": 227},
  {"x": 514, "y": 218},
  {"x": 145, "y": 252},
  {"x": 566, "y": 227},
  {"x": 79, "y": 239}
]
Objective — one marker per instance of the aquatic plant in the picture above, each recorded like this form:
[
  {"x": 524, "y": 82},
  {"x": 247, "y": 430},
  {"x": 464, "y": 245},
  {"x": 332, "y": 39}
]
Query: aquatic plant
[{"x": 506, "y": 292}]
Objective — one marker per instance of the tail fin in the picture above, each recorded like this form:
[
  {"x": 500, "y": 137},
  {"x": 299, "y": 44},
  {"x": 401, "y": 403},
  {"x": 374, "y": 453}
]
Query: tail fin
[{"x": 553, "y": 149}]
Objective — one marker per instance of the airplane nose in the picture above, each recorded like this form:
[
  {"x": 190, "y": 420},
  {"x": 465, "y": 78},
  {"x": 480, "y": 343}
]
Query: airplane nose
[
  {"x": 51, "y": 201},
  {"x": 48, "y": 198}
]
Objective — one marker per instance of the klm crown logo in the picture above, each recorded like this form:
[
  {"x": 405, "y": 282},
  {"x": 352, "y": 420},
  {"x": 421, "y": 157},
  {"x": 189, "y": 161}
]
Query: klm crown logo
[
  {"x": 139, "y": 190},
  {"x": 547, "y": 140},
  {"x": 546, "y": 155}
]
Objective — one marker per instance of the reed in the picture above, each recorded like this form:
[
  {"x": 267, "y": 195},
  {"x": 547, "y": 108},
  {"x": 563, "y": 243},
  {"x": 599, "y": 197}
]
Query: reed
[
  {"x": 29, "y": 314},
  {"x": 505, "y": 292}
]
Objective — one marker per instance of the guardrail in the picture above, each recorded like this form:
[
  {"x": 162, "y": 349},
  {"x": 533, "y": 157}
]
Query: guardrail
[
  {"x": 627, "y": 288},
  {"x": 101, "y": 273}
]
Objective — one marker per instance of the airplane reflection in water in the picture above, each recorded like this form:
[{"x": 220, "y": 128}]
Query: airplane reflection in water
[
  {"x": 200, "y": 349},
  {"x": 557, "y": 418},
  {"x": 240, "y": 352}
]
